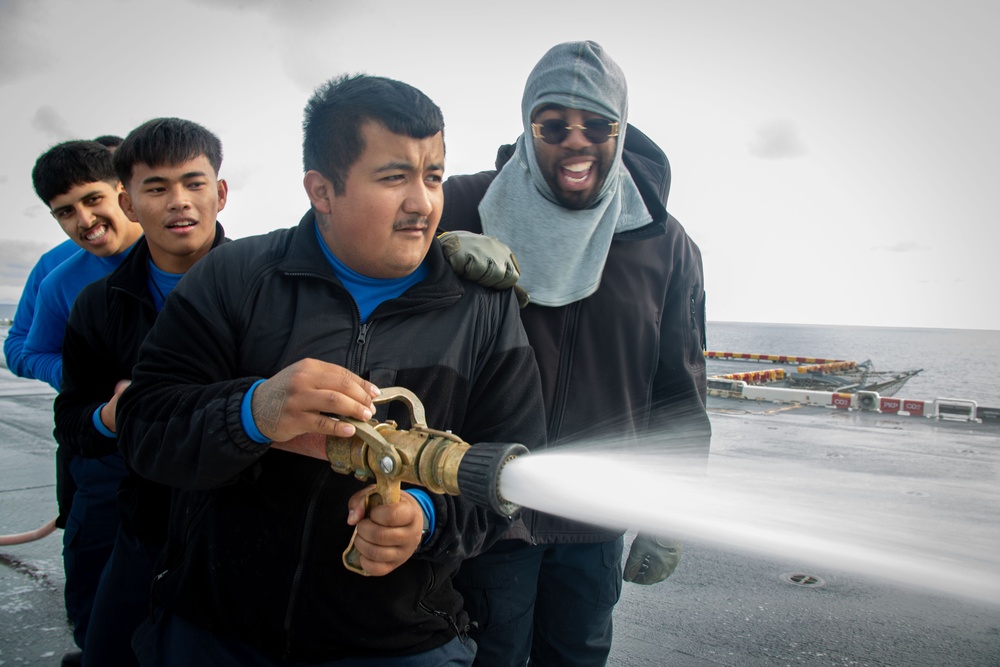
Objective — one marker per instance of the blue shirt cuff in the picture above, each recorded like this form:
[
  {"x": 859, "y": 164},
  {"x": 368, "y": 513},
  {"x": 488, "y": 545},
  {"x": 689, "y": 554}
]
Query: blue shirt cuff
[
  {"x": 427, "y": 505},
  {"x": 99, "y": 425},
  {"x": 246, "y": 417}
]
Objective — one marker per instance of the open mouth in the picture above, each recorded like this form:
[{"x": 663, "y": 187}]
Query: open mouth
[
  {"x": 95, "y": 233},
  {"x": 576, "y": 173}
]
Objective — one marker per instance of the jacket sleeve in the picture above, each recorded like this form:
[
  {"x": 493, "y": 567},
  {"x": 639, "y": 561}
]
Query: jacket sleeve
[
  {"x": 179, "y": 420},
  {"x": 680, "y": 387},
  {"x": 89, "y": 376},
  {"x": 13, "y": 344},
  {"x": 505, "y": 405}
]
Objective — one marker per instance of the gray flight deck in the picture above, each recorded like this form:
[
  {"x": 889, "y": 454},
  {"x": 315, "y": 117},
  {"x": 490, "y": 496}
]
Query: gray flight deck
[{"x": 721, "y": 607}]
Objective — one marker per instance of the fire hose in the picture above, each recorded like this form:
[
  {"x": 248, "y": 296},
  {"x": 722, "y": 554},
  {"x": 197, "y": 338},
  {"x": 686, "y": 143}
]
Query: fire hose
[
  {"x": 30, "y": 536},
  {"x": 438, "y": 461}
]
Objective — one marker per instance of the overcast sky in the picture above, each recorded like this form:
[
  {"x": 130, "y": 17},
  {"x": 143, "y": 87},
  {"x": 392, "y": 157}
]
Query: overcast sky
[{"x": 838, "y": 163}]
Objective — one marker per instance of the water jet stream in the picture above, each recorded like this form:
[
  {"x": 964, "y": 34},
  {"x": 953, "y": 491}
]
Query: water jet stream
[{"x": 857, "y": 522}]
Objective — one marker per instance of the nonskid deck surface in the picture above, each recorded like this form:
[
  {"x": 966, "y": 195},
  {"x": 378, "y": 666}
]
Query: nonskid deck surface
[
  {"x": 728, "y": 606},
  {"x": 722, "y": 606}
]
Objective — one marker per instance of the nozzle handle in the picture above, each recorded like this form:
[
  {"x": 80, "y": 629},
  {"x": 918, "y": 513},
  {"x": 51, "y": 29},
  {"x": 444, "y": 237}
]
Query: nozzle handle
[
  {"x": 479, "y": 475},
  {"x": 352, "y": 557}
]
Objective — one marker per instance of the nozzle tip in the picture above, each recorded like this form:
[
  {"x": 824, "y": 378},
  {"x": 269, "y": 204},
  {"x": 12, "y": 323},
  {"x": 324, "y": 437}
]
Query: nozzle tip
[{"x": 479, "y": 475}]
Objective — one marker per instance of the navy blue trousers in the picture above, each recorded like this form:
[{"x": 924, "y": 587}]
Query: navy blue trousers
[
  {"x": 170, "y": 641},
  {"x": 90, "y": 534},
  {"x": 552, "y": 603},
  {"x": 121, "y": 604}
]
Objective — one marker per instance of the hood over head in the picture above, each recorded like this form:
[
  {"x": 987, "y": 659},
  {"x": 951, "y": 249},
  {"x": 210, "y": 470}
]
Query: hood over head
[
  {"x": 562, "y": 251},
  {"x": 576, "y": 75}
]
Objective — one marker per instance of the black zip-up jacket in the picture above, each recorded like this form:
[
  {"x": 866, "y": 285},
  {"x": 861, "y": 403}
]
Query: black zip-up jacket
[
  {"x": 628, "y": 360},
  {"x": 108, "y": 322},
  {"x": 256, "y": 536}
]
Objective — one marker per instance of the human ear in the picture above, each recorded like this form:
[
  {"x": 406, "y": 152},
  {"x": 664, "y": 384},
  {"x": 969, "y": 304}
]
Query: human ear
[
  {"x": 126, "y": 205},
  {"x": 320, "y": 191},
  {"x": 223, "y": 189}
]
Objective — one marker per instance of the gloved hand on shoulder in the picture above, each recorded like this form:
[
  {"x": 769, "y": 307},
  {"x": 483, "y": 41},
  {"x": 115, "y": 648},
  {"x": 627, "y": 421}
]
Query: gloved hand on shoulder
[
  {"x": 484, "y": 260},
  {"x": 651, "y": 559}
]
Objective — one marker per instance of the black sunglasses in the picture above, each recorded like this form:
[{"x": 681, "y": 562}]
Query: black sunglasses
[{"x": 555, "y": 131}]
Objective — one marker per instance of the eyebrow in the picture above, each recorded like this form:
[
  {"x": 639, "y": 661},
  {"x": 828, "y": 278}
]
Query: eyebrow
[
  {"x": 83, "y": 197},
  {"x": 405, "y": 166},
  {"x": 185, "y": 176},
  {"x": 394, "y": 166}
]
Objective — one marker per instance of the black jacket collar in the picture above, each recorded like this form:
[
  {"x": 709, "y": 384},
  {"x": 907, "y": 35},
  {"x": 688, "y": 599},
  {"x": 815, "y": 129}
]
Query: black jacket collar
[
  {"x": 305, "y": 257},
  {"x": 132, "y": 275}
]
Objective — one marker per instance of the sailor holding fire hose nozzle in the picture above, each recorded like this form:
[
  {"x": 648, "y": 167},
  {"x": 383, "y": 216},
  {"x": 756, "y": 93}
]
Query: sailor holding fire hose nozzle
[{"x": 272, "y": 337}]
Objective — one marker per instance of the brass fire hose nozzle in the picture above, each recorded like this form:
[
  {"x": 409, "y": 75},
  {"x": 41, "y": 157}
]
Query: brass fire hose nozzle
[{"x": 439, "y": 461}]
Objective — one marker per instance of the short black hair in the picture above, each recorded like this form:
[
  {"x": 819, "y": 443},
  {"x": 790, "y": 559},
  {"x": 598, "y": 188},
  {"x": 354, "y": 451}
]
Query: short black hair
[
  {"x": 109, "y": 140},
  {"x": 332, "y": 141},
  {"x": 166, "y": 141},
  {"x": 71, "y": 163}
]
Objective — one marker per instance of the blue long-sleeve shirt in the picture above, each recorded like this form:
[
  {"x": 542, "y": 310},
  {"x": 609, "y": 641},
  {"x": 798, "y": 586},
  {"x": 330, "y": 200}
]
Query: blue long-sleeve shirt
[
  {"x": 56, "y": 294},
  {"x": 13, "y": 345}
]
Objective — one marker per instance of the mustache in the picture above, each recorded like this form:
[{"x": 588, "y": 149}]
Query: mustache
[
  {"x": 590, "y": 151},
  {"x": 410, "y": 222}
]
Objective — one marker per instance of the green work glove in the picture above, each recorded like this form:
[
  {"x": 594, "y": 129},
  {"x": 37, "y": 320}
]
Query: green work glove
[
  {"x": 651, "y": 559},
  {"x": 484, "y": 260}
]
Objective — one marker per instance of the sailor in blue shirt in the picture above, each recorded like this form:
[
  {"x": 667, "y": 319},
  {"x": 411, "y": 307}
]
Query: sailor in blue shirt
[{"x": 77, "y": 181}]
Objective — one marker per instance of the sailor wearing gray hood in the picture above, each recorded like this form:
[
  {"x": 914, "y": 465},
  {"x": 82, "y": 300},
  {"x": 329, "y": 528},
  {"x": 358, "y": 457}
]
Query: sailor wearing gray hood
[{"x": 616, "y": 319}]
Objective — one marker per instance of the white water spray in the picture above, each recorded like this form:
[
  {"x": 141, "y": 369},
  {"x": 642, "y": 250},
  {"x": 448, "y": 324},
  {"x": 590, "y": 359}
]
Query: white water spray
[{"x": 865, "y": 523}]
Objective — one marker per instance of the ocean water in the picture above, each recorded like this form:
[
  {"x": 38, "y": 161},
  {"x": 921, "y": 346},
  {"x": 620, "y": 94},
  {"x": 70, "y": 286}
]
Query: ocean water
[{"x": 956, "y": 363}]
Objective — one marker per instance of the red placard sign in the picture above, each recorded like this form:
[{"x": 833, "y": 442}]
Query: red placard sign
[{"x": 889, "y": 404}]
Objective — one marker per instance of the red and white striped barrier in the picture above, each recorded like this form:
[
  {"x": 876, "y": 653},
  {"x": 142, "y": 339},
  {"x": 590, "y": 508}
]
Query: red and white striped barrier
[{"x": 868, "y": 401}]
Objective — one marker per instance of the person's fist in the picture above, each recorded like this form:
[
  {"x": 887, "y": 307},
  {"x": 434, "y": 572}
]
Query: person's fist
[{"x": 651, "y": 559}]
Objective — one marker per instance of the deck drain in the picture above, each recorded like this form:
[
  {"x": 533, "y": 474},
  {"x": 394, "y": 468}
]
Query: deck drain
[{"x": 806, "y": 580}]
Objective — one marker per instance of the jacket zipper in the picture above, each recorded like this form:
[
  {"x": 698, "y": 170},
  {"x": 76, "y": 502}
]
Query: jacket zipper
[
  {"x": 318, "y": 485},
  {"x": 562, "y": 377},
  {"x": 562, "y": 382},
  {"x": 157, "y": 578},
  {"x": 359, "y": 352},
  {"x": 364, "y": 327}
]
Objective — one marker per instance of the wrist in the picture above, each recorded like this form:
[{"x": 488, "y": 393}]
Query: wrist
[
  {"x": 427, "y": 506},
  {"x": 101, "y": 424}
]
